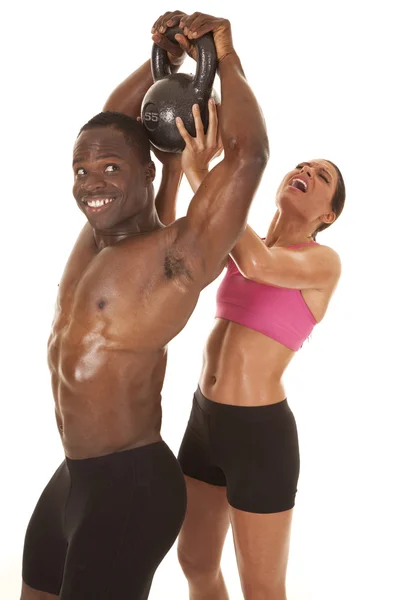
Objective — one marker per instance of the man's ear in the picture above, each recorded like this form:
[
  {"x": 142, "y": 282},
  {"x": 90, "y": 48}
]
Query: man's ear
[{"x": 150, "y": 172}]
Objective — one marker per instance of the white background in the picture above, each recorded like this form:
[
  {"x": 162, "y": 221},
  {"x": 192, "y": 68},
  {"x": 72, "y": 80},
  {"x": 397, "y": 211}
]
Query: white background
[{"x": 325, "y": 74}]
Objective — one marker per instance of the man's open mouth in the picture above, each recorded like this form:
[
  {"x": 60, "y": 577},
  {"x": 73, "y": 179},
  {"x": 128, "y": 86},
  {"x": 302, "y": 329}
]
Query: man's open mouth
[{"x": 97, "y": 202}]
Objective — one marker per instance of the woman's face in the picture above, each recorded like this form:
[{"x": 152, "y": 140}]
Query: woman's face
[{"x": 307, "y": 191}]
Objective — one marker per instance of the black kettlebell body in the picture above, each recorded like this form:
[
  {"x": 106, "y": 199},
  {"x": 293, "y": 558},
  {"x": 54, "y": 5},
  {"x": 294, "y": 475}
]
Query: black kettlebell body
[{"x": 173, "y": 95}]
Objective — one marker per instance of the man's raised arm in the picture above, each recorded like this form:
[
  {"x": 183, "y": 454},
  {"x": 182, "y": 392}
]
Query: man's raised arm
[
  {"x": 218, "y": 212},
  {"x": 128, "y": 95}
]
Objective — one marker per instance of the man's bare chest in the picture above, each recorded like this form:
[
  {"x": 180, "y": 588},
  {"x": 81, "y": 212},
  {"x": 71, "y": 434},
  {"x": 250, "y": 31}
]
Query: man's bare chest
[{"x": 123, "y": 296}]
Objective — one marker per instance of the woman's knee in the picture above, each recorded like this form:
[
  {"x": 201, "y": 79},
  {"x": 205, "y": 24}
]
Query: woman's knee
[
  {"x": 263, "y": 590},
  {"x": 197, "y": 565}
]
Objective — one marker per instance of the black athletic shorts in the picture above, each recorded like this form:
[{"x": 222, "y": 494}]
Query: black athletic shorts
[
  {"x": 252, "y": 450},
  {"x": 103, "y": 525}
]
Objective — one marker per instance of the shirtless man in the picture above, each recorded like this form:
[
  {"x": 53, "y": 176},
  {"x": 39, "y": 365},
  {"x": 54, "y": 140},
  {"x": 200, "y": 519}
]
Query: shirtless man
[{"x": 115, "y": 505}]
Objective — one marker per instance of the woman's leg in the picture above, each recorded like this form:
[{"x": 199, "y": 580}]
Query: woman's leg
[
  {"x": 202, "y": 538},
  {"x": 262, "y": 551}
]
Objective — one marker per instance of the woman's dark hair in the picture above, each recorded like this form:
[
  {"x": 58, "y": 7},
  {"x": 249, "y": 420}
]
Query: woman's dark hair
[{"x": 338, "y": 200}]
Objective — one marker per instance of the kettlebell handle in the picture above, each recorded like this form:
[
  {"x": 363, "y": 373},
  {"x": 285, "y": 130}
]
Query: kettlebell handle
[{"x": 206, "y": 61}]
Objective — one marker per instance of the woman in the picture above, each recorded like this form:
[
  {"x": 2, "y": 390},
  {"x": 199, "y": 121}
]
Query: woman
[{"x": 240, "y": 452}]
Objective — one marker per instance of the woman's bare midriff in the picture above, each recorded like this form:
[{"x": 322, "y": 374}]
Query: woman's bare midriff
[{"x": 243, "y": 367}]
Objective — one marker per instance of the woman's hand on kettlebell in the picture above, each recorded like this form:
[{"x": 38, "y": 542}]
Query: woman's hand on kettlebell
[
  {"x": 202, "y": 149},
  {"x": 198, "y": 24}
]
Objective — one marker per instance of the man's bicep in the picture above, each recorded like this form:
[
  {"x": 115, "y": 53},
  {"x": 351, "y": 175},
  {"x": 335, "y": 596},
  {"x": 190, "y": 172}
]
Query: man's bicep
[{"x": 218, "y": 212}]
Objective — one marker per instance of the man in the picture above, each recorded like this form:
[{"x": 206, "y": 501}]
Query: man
[{"x": 115, "y": 505}]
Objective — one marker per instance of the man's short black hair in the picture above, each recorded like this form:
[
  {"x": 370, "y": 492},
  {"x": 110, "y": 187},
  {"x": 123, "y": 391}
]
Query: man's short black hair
[{"x": 133, "y": 131}]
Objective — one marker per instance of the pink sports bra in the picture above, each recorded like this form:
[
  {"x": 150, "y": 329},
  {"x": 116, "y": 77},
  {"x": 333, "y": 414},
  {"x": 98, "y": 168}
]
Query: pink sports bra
[{"x": 280, "y": 313}]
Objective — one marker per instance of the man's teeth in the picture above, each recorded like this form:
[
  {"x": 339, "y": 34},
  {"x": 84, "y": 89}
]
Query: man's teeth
[{"x": 99, "y": 203}]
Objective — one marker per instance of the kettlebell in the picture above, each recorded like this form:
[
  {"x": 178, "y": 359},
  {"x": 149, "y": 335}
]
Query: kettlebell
[{"x": 173, "y": 95}]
